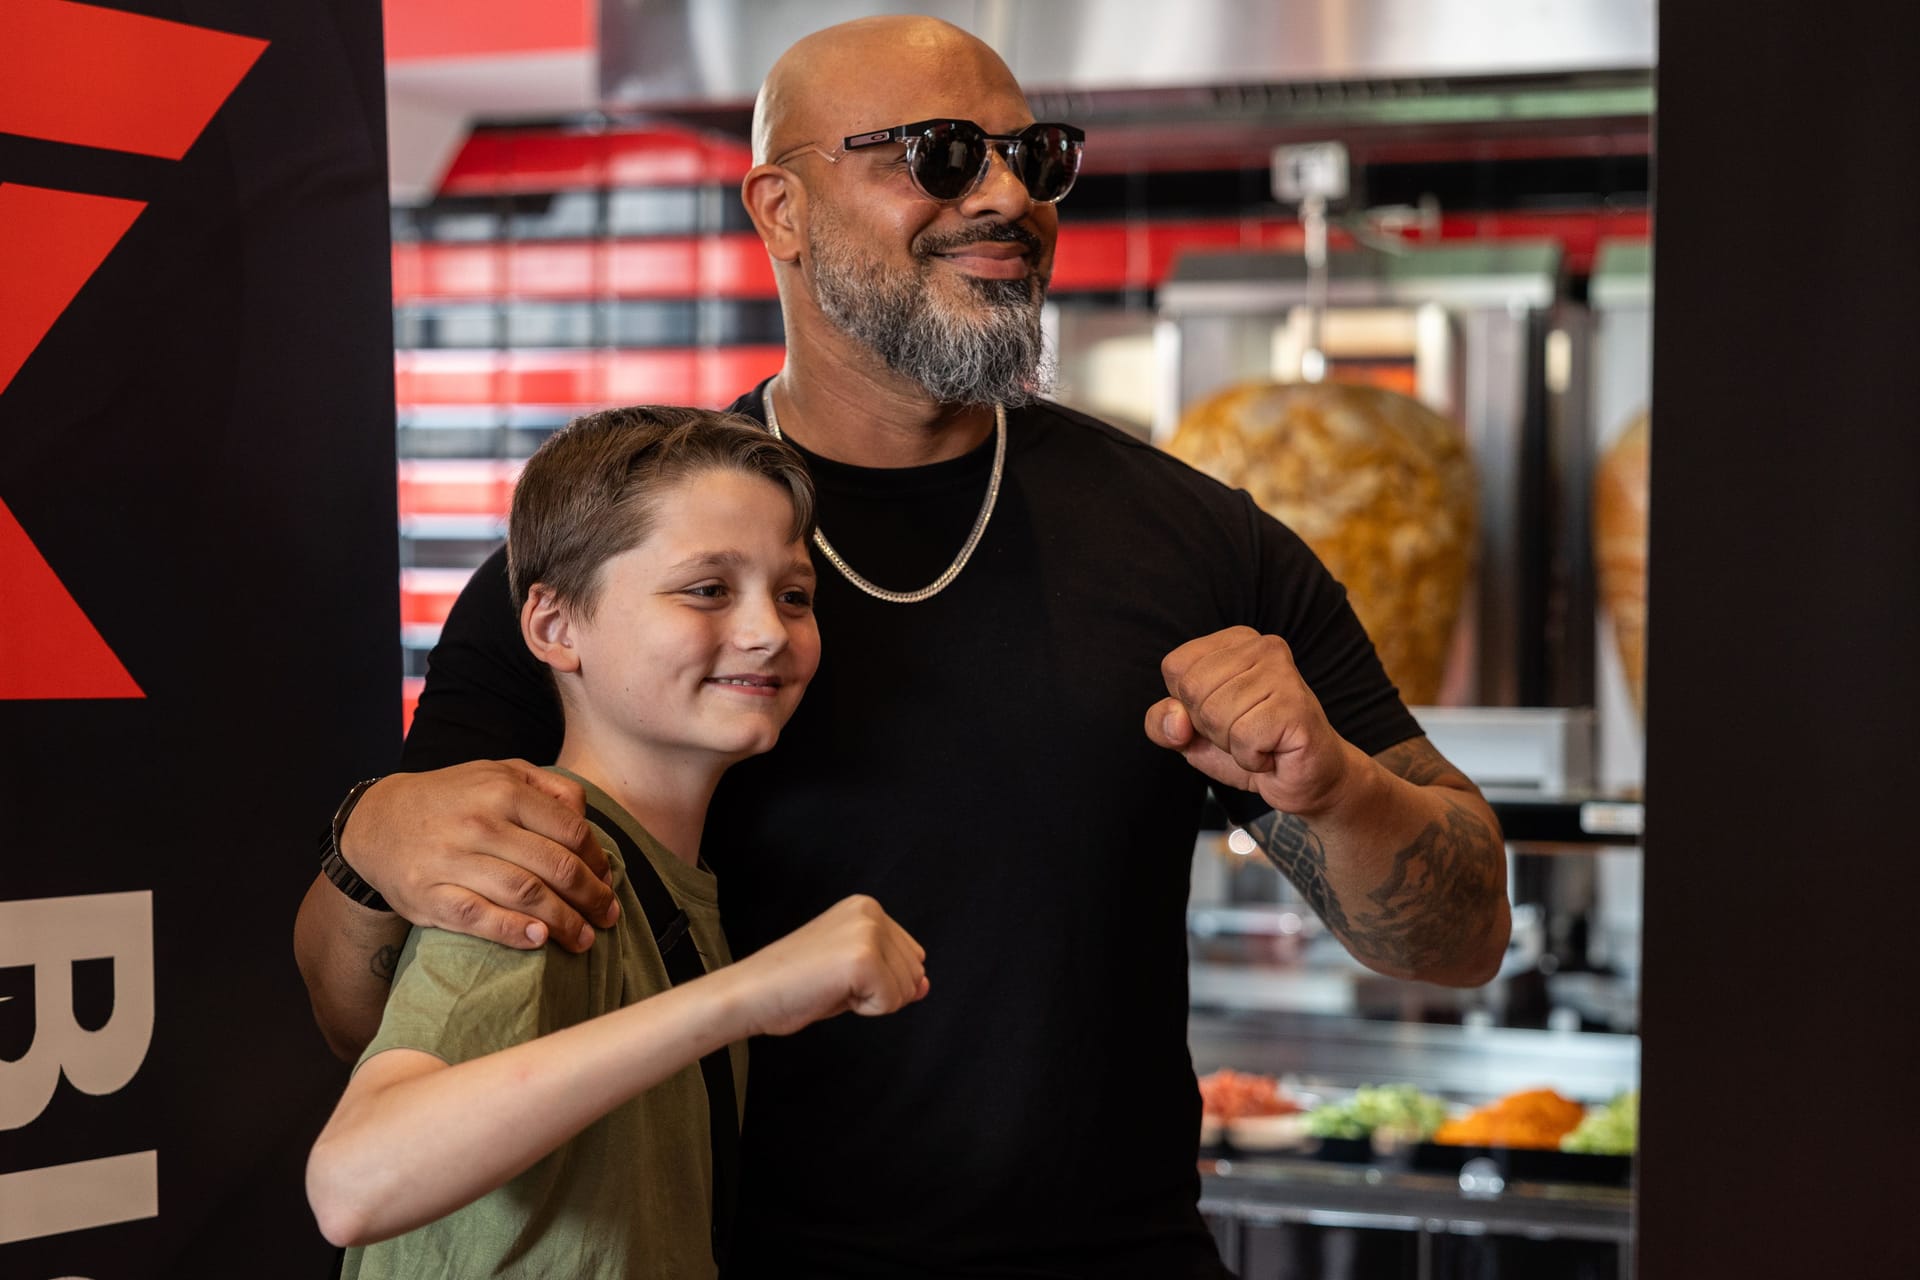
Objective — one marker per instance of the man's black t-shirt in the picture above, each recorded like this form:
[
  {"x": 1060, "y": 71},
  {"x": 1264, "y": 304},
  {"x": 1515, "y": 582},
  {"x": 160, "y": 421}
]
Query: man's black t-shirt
[{"x": 977, "y": 763}]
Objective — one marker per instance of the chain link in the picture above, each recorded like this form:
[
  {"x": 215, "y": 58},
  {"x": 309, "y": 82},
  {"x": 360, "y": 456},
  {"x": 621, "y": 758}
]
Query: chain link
[{"x": 940, "y": 583}]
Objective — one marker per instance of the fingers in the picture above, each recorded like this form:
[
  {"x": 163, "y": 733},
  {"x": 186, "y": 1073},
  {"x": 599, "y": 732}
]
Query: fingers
[
  {"x": 1168, "y": 724},
  {"x": 852, "y": 956},
  {"x": 1248, "y": 719},
  {"x": 889, "y": 965},
  {"x": 507, "y": 889},
  {"x": 554, "y": 807},
  {"x": 1177, "y": 667},
  {"x": 503, "y": 830},
  {"x": 1239, "y": 690},
  {"x": 461, "y": 910},
  {"x": 531, "y": 820},
  {"x": 560, "y": 876},
  {"x": 1199, "y": 667},
  {"x": 904, "y": 966}
]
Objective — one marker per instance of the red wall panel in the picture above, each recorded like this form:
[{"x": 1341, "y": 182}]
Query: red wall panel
[
  {"x": 530, "y": 160},
  {"x": 720, "y": 266},
  {"x": 456, "y": 487},
  {"x": 570, "y": 270},
  {"x": 452, "y": 271},
  {"x": 427, "y": 595},
  {"x": 446, "y": 377},
  {"x": 654, "y": 268},
  {"x": 584, "y": 379}
]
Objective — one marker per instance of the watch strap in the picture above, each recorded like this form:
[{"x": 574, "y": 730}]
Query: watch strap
[{"x": 333, "y": 864}]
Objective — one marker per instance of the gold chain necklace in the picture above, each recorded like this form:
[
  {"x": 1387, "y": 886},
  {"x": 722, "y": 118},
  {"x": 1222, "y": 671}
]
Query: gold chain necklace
[{"x": 939, "y": 584}]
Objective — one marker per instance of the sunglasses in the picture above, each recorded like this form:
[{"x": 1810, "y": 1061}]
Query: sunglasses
[{"x": 947, "y": 159}]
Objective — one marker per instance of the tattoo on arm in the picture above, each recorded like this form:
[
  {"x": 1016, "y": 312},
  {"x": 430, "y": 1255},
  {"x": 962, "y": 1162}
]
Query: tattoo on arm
[
  {"x": 1440, "y": 880},
  {"x": 1292, "y": 846},
  {"x": 384, "y": 962},
  {"x": 1419, "y": 763}
]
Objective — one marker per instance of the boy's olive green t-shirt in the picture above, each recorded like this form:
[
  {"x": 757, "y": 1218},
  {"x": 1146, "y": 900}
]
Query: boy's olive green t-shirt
[{"x": 632, "y": 1194}]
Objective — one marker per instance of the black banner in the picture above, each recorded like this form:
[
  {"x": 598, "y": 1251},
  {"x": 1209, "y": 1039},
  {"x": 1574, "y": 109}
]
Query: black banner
[
  {"x": 1783, "y": 622},
  {"x": 198, "y": 643}
]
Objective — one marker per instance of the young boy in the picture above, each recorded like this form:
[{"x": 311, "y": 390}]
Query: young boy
[{"x": 539, "y": 1113}]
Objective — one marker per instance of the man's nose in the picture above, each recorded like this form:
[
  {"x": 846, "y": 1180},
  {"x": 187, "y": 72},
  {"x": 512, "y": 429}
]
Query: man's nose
[{"x": 1000, "y": 189}]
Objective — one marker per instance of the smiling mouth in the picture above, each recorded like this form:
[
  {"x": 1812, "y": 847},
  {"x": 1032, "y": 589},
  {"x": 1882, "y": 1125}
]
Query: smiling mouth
[
  {"x": 986, "y": 249},
  {"x": 997, "y": 259},
  {"x": 756, "y": 684}
]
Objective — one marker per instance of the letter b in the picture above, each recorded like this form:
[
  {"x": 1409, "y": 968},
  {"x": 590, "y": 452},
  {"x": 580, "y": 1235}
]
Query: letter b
[{"x": 49, "y": 934}]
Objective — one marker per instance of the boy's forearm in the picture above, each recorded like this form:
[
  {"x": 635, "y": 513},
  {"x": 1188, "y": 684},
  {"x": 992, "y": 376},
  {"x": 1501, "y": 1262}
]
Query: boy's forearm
[
  {"x": 346, "y": 954},
  {"x": 415, "y": 1139}
]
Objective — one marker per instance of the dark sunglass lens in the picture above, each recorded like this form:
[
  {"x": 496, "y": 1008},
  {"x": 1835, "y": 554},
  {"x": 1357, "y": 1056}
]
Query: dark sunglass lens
[
  {"x": 1050, "y": 160},
  {"x": 949, "y": 157}
]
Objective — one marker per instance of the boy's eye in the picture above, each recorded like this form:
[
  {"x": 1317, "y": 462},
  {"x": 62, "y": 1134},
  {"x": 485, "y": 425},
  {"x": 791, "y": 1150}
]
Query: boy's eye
[
  {"x": 708, "y": 590},
  {"x": 797, "y": 598}
]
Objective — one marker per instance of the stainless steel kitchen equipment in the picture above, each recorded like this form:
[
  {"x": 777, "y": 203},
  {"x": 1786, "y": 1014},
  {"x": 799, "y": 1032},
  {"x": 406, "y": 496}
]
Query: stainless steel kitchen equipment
[
  {"x": 1487, "y": 340},
  {"x": 1490, "y": 336}
]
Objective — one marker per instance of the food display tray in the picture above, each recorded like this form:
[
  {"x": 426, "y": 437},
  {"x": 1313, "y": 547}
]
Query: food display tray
[
  {"x": 1514, "y": 1164},
  {"x": 1520, "y": 1164}
]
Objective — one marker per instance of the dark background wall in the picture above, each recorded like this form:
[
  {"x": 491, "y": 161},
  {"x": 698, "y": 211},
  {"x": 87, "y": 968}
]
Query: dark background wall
[
  {"x": 201, "y": 448},
  {"x": 1783, "y": 629}
]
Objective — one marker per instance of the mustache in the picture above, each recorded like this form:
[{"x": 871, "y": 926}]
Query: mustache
[{"x": 999, "y": 232}]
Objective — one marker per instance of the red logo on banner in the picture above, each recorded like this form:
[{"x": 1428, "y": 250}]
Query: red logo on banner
[
  {"x": 101, "y": 78},
  {"x": 92, "y": 77},
  {"x": 48, "y": 649},
  {"x": 51, "y": 243}
]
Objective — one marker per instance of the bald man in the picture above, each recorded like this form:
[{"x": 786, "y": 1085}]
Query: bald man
[{"x": 1043, "y": 641}]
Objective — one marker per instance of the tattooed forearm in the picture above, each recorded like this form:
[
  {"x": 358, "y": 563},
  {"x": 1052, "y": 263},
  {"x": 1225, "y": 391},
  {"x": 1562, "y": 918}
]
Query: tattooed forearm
[
  {"x": 1435, "y": 895},
  {"x": 384, "y": 961},
  {"x": 1417, "y": 762},
  {"x": 1292, "y": 846},
  {"x": 1439, "y": 887}
]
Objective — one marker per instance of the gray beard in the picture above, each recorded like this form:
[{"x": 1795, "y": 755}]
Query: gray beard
[{"x": 997, "y": 358}]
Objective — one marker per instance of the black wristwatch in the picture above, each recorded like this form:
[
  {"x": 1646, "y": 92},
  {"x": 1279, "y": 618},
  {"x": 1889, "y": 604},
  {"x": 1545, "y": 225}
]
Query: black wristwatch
[{"x": 333, "y": 865}]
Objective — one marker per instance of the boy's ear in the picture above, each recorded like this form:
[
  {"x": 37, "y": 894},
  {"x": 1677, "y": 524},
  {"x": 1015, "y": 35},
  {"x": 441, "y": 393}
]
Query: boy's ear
[
  {"x": 777, "y": 203},
  {"x": 547, "y": 625}
]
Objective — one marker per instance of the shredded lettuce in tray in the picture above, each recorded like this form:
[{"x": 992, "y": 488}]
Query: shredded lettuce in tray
[
  {"x": 1612, "y": 1130},
  {"x": 1394, "y": 1110}
]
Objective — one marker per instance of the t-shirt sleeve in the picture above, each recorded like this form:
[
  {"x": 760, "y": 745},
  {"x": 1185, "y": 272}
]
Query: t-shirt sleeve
[
  {"x": 1296, "y": 598},
  {"x": 460, "y": 998},
  {"x": 486, "y": 697}
]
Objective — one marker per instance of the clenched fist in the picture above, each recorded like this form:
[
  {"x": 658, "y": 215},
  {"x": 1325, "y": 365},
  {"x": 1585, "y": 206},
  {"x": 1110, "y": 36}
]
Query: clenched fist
[
  {"x": 1240, "y": 713},
  {"x": 853, "y": 956}
]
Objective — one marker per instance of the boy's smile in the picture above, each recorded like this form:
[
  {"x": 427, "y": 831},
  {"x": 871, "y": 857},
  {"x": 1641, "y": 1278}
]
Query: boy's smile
[{"x": 751, "y": 686}]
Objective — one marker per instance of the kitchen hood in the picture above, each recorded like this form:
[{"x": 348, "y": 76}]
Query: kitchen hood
[{"x": 688, "y": 53}]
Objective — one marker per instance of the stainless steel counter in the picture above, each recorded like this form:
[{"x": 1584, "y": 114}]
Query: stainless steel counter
[{"x": 1245, "y": 1198}]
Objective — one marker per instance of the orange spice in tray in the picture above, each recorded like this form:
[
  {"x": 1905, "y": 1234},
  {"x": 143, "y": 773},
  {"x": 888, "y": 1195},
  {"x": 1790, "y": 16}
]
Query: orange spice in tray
[{"x": 1533, "y": 1118}]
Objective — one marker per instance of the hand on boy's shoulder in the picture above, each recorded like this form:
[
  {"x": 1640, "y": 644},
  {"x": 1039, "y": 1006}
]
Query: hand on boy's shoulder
[
  {"x": 851, "y": 957},
  {"x": 496, "y": 849}
]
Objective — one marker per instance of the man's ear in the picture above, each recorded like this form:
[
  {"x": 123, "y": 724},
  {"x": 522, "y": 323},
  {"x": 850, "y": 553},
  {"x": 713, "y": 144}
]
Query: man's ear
[
  {"x": 547, "y": 625},
  {"x": 777, "y": 203}
]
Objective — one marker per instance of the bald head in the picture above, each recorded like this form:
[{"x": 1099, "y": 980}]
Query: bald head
[
  {"x": 879, "y": 282},
  {"x": 864, "y": 74}
]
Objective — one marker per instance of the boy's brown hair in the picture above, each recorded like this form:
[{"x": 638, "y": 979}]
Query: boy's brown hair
[{"x": 588, "y": 493}]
